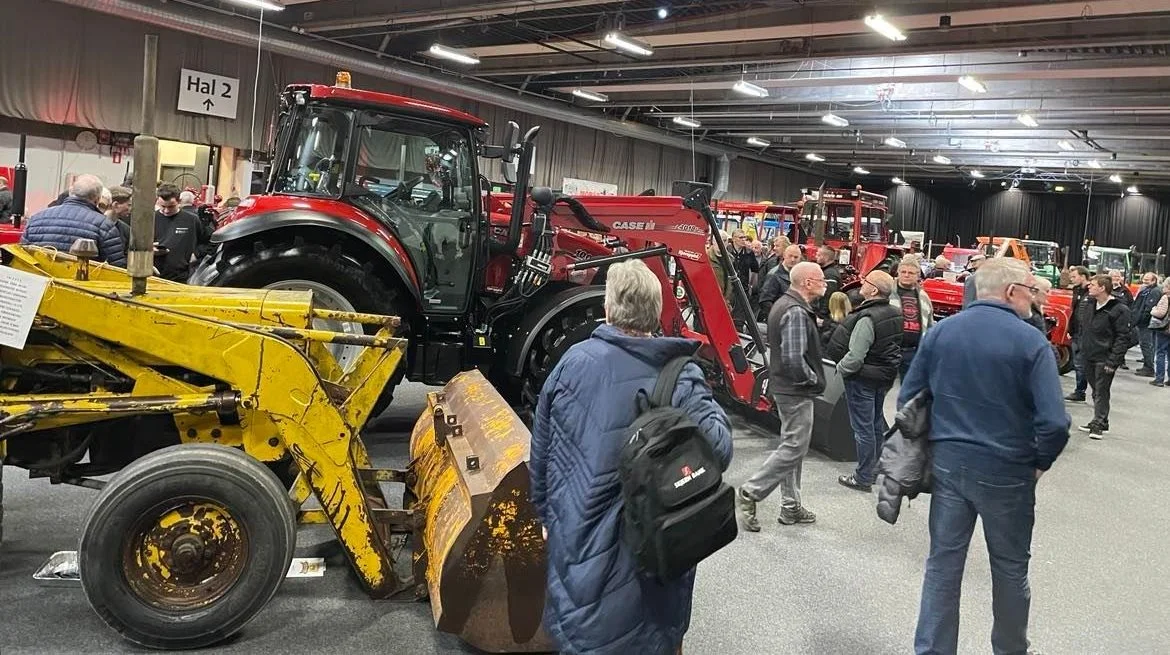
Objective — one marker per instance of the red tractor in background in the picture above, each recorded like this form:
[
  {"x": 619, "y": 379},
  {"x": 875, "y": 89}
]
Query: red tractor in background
[
  {"x": 376, "y": 203},
  {"x": 852, "y": 222}
]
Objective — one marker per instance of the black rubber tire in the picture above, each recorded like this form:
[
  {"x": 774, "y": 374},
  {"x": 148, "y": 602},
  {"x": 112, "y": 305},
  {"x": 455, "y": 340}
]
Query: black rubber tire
[
  {"x": 362, "y": 288},
  {"x": 1064, "y": 359},
  {"x": 566, "y": 329},
  {"x": 230, "y": 478}
]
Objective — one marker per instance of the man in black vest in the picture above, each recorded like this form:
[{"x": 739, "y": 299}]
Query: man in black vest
[
  {"x": 868, "y": 348},
  {"x": 796, "y": 378}
]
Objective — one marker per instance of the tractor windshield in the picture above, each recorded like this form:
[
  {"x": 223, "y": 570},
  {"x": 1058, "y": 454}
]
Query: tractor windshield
[
  {"x": 316, "y": 153},
  {"x": 1042, "y": 253}
]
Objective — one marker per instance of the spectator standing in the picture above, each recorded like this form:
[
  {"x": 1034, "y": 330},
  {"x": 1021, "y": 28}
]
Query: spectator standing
[
  {"x": 1161, "y": 337},
  {"x": 5, "y": 200},
  {"x": 839, "y": 309},
  {"x": 187, "y": 200},
  {"x": 119, "y": 211},
  {"x": 941, "y": 266},
  {"x": 77, "y": 218},
  {"x": 917, "y": 310},
  {"x": 599, "y": 601},
  {"x": 1145, "y": 301},
  {"x": 1122, "y": 293},
  {"x": 1105, "y": 337},
  {"x": 176, "y": 234},
  {"x": 973, "y": 265},
  {"x": 796, "y": 378},
  {"x": 742, "y": 258},
  {"x": 1039, "y": 302},
  {"x": 997, "y": 423},
  {"x": 779, "y": 280},
  {"x": 717, "y": 266},
  {"x": 1079, "y": 279},
  {"x": 827, "y": 260},
  {"x": 867, "y": 348}
]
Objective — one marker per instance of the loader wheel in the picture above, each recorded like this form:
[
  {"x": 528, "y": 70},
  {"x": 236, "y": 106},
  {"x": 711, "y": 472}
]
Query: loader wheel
[
  {"x": 336, "y": 282},
  {"x": 571, "y": 327},
  {"x": 186, "y": 545},
  {"x": 1064, "y": 360}
]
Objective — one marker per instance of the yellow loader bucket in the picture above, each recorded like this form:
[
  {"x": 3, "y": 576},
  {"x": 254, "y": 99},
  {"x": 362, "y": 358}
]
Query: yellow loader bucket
[{"x": 480, "y": 550}]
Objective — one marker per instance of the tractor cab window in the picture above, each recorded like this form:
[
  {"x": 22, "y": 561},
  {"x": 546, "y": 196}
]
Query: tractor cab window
[
  {"x": 872, "y": 227},
  {"x": 1042, "y": 254},
  {"x": 419, "y": 178},
  {"x": 840, "y": 223},
  {"x": 317, "y": 151}
]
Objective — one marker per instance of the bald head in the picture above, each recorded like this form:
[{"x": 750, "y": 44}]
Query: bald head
[
  {"x": 792, "y": 257},
  {"x": 808, "y": 280},
  {"x": 87, "y": 187},
  {"x": 881, "y": 282}
]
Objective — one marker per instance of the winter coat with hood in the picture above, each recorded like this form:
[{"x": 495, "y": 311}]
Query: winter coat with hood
[
  {"x": 599, "y": 602},
  {"x": 1146, "y": 300}
]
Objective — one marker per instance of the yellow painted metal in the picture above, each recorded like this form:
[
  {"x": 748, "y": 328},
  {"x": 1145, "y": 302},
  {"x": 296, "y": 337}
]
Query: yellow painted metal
[{"x": 482, "y": 555}]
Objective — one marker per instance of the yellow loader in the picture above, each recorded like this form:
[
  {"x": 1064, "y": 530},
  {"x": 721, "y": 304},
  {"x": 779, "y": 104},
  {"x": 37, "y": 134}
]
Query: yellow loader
[{"x": 227, "y": 421}]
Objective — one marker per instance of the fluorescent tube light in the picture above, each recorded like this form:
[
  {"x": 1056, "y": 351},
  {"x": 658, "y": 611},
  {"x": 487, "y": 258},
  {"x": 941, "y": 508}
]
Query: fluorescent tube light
[
  {"x": 898, "y": 180},
  {"x": 1027, "y": 169},
  {"x": 1132, "y": 189},
  {"x": 1115, "y": 178},
  {"x": 259, "y": 4},
  {"x": 626, "y": 44},
  {"x": 834, "y": 120},
  {"x": 879, "y": 24},
  {"x": 1064, "y": 145},
  {"x": 939, "y": 159},
  {"x": 758, "y": 142},
  {"x": 591, "y": 96},
  {"x": 1058, "y": 188},
  {"x": 972, "y": 84},
  {"x": 812, "y": 156},
  {"x": 749, "y": 89},
  {"x": 895, "y": 142},
  {"x": 443, "y": 52},
  {"x": 686, "y": 122},
  {"x": 1027, "y": 120},
  {"x": 860, "y": 171},
  {"x": 977, "y": 174}
]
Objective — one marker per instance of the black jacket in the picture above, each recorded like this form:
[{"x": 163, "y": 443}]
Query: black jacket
[
  {"x": 1038, "y": 321},
  {"x": 786, "y": 309},
  {"x": 766, "y": 266},
  {"x": 1145, "y": 302},
  {"x": 1104, "y": 334},
  {"x": 880, "y": 367},
  {"x": 1079, "y": 295},
  {"x": 745, "y": 262},
  {"x": 180, "y": 235},
  {"x": 1123, "y": 294},
  {"x": 5, "y": 204},
  {"x": 775, "y": 285}
]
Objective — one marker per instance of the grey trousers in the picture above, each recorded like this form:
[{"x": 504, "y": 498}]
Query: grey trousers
[{"x": 782, "y": 468}]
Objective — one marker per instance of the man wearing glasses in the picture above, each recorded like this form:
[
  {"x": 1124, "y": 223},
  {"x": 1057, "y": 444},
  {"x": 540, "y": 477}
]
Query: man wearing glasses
[
  {"x": 1104, "y": 337},
  {"x": 997, "y": 424},
  {"x": 796, "y": 378}
]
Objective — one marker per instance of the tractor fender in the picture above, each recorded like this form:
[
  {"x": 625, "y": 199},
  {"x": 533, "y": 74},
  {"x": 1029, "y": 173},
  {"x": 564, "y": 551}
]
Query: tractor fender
[
  {"x": 385, "y": 245},
  {"x": 534, "y": 321}
]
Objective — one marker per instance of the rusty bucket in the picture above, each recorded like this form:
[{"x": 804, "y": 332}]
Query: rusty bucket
[{"x": 480, "y": 549}]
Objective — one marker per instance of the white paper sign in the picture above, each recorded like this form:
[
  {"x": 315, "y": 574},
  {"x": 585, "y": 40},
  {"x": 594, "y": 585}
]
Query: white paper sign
[
  {"x": 20, "y": 296},
  {"x": 574, "y": 187},
  {"x": 204, "y": 93}
]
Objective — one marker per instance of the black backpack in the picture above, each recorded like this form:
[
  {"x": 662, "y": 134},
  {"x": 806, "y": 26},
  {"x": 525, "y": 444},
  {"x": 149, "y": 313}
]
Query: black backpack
[{"x": 677, "y": 510}]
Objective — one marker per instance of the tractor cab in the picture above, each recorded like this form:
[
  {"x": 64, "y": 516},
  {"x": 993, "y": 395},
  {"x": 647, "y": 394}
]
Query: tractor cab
[
  {"x": 853, "y": 222},
  {"x": 1099, "y": 259}
]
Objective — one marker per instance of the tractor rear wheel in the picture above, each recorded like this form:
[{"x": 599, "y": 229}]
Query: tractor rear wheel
[
  {"x": 1064, "y": 359},
  {"x": 336, "y": 281},
  {"x": 186, "y": 545},
  {"x": 570, "y": 327}
]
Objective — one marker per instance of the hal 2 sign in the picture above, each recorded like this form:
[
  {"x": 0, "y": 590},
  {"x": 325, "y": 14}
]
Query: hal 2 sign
[{"x": 204, "y": 93}]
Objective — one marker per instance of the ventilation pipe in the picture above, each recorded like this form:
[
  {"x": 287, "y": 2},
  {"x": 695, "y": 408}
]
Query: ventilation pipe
[{"x": 722, "y": 177}]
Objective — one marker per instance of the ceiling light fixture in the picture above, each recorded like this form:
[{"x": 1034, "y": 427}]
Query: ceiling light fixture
[
  {"x": 812, "y": 156},
  {"x": 1027, "y": 120},
  {"x": 860, "y": 171},
  {"x": 898, "y": 180},
  {"x": 749, "y": 89},
  {"x": 626, "y": 44},
  {"x": 1027, "y": 169},
  {"x": 591, "y": 96},
  {"x": 970, "y": 83},
  {"x": 1132, "y": 189},
  {"x": 1064, "y": 145},
  {"x": 663, "y": 12},
  {"x": 443, "y": 52},
  {"x": 879, "y": 24},
  {"x": 977, "y": 174},
  {"x": 834, "y": 120},
  {"x": 939, "y": 159},
  {"x": 758, "y": 142},
  {"x": 260, "y": 4},
  {"x": 1115, "y": 178},
  {"x": 895, "y": 142},
  {"x": 686, "y": 122},
  {"x": 1058, "y": 188}
]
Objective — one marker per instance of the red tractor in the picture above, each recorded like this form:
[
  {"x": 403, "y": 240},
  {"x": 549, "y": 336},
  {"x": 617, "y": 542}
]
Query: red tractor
[
  {"x": 376, "y": 203},
  {"x": 853, "y": 222}
]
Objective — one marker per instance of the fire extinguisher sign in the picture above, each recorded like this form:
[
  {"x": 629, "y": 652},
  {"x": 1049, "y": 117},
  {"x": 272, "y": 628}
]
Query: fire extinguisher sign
[{"x": 211, "y": 95}]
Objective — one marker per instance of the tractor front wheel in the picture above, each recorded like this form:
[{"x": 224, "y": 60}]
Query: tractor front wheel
[
  {"x": 186, "y": 545},
  {"x": 1064, "y": 358},
  {"x": 570, "y": 327}
]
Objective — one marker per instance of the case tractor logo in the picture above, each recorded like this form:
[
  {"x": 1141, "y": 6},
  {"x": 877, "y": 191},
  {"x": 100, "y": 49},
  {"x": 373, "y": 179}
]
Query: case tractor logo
[{"x": 633, "y": 225}]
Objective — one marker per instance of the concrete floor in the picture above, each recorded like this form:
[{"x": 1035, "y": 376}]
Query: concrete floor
[{"x": 848, "y": 584}]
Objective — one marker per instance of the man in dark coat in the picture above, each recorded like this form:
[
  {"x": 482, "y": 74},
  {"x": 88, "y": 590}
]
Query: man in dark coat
[
  {"x": 599, "y": 601},
  {"x": 1146, "y": 300},
  {"x": 1104, "y": 338},
  {"x": 77, "y": 218},
  {"x": 1079, "y": 278},
  {"x": 868, "y": 349},
  {"x": 796, "y": 378},
  {"x": 779, "y": 280},
  {"x": 743, "y": 260}
]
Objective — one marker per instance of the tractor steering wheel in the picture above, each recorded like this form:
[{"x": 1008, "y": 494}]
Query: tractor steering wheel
[{"x": 402, "y": 191}]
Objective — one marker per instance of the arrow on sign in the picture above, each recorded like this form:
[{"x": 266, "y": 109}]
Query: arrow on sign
[{"x": 208, "y": 104}]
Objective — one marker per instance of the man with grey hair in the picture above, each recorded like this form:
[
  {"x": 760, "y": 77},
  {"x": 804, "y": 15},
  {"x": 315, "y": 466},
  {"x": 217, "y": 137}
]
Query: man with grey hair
[
  {"x": 1146, "y": 300},
  {"x": 796, "y": 378},
  {"x": 917, "y": 310},
  {"x": 599, "y": 599},
  {"x": 186, "y": 200},
  {"x": 1039, "y": 302},
  {"x": 77, "y": 217},
  {"x": 997, "y": 424},
  {"x": 779, "y": 279}
]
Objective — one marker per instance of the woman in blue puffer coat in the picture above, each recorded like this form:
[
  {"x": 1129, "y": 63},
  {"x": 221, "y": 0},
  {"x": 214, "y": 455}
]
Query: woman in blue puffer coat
[{"x": 599, "y": 602}]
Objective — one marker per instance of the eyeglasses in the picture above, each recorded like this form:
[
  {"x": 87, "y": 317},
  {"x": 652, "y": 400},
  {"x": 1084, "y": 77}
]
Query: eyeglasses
[{"x": 1034, "y": 290}]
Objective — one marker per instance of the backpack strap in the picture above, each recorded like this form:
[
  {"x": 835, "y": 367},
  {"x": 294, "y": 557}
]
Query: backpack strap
[{"x": 667, "y": 381}]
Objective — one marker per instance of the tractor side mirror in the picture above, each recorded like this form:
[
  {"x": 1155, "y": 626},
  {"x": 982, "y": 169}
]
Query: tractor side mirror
[{"x": 511, "y": 158}]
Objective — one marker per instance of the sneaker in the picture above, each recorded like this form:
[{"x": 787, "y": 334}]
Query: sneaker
[
  {"x": 1155, "y": 383},
  {"x": 1088, "y": 427},
  {"x": 746, "y": 508},
  {"x": 796, "y": 515},
  {"x": 1124, "y": 366},
  {"x": 1097, "y": 433},
  {"x": 851, "y": 482},
  {"x": 1075, "y": 397},
  {"x": 1144, "y": 373}
]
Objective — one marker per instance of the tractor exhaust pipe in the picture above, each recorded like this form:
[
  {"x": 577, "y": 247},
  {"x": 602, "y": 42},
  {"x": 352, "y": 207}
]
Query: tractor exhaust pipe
[
  {"x": 520, "y": 192},
  {"x": 140, "y": 259},
  {"x": 19, "y": 185}
]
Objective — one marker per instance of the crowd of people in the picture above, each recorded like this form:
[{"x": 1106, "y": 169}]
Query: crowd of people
[{"x": 90, "y": 210}]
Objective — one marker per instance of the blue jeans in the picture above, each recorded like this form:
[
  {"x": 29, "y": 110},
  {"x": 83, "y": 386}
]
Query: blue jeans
[
  {"x": 1146, "y": 338},
  {"x": 1006, "y": 505},
  {"x": 1079, "y": 365},
  {"x": 1161, "y": 352},
  {"x": 907, "y": 357},
  {"x": 868, "y": 420}
]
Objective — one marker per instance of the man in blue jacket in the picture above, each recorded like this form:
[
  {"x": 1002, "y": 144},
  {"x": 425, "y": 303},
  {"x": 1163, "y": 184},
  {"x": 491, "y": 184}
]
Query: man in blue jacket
[
  {"x": 77, "y": 217},
  {"x": 997, "y": 424},
  {"x": 599, "y": 601}
]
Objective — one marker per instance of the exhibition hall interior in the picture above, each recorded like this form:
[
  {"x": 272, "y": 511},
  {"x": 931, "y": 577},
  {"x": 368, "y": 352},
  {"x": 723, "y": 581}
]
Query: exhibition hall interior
[{"x": 518, "y": 326}]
